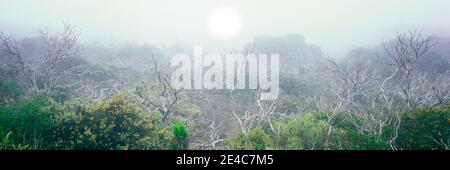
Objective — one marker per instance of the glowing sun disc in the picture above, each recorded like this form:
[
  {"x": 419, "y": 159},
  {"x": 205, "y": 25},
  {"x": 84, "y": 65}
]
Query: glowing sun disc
[{"x": 224, "y": 22}]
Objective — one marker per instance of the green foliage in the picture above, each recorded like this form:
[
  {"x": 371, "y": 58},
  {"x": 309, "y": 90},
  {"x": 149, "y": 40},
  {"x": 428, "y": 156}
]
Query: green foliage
[
  {"x": 27, "y": 122},
  {"x": 159, "y": 137},
  {"x": 302, "y": 132},
  {"x": 7, "y": 144},
  {"x": 9, "y": 92},
  {"x": 57, "y": 93},
  {"x": 256, "y": 139},
  {"x": 427, "y": 129},
  {"x": 180, "y": 137},
  {"x": 115, "y": 123},
  {"x": 38, "y": 121},
  {"x": 347, "y": 136},
  {"x": 354, "y": 140},
  {"x": 309, "y": 131}
]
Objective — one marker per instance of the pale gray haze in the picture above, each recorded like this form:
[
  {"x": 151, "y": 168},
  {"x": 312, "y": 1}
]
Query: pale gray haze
[{"x": 335, "y": 25}]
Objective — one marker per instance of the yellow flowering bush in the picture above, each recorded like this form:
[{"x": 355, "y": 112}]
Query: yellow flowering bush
[{"x": 115, "y": 123}]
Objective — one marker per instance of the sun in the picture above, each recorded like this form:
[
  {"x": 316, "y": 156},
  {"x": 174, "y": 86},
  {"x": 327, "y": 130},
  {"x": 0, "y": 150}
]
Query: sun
[{"x": 224, "y": 22}]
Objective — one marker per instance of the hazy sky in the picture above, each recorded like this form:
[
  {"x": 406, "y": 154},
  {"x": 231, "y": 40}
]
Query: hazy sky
[{"x": 335, "y": 25}]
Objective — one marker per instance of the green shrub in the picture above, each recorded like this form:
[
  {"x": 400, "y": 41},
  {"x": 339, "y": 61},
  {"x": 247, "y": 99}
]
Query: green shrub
[
  {"x": 256, "y": 139},
  {"x": 353, "y": 140},
  {"x": 302, "y": 132},
  {"x": 180, "y": 137},
  {"x": 28, "y": 123},
  {"x": 115, "y": 123},
  {"x": 9, "y": 92},
  {"x": 427, "y": 129},
  {"x": 346, "y": 136},
  {"x": 7, "y": 144}
]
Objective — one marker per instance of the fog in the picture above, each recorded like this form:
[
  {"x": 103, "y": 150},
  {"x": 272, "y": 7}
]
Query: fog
[
  {"x": 336, "y": 26},
  {"x": 127, "y": 75}
]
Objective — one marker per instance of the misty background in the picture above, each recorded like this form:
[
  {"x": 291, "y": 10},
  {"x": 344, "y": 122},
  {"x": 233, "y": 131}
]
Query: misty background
[
  {"x": 370, "y": 75},
  {"x": 336, "y": 26}
]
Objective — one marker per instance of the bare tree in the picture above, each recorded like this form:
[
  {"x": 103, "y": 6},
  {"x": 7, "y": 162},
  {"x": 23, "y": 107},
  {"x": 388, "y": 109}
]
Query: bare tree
[
  {"x": 99, "y": 90},
  {"x": 214, "y": 134},
  {"x": 163, "y": 95},
  {"x": 257, "y": 113},
  {"x": 407, "y": 49},
  {"x": 57, "y": 45},
  {"x": 441, "y": 90},
  {"x": 18, "y": 65},
  {"x": 351, "y": 86}
]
